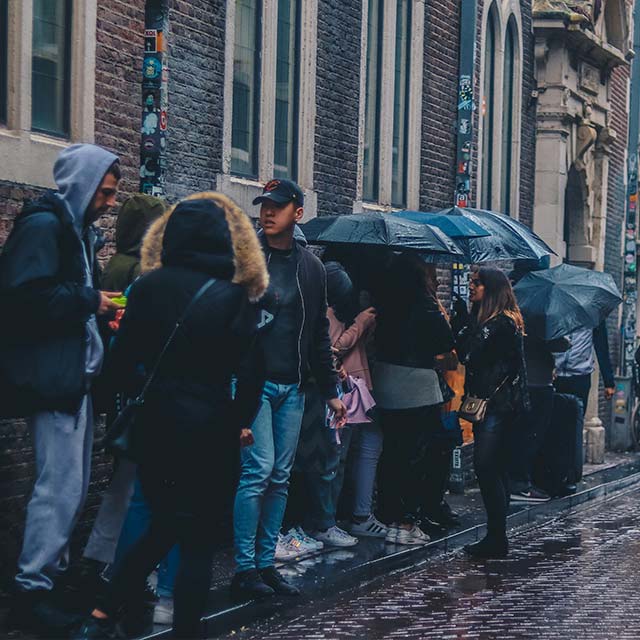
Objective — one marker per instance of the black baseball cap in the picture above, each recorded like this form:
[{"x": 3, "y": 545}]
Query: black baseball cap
[{"x": 281, "y": 192}]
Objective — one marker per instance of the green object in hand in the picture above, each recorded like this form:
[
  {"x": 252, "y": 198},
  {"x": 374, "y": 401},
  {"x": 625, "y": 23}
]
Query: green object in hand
[{"x": 121, "y": 300}]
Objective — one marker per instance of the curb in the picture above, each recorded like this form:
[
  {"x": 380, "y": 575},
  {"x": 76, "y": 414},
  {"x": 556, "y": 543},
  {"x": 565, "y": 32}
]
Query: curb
[{"x": 233, "y": 617}]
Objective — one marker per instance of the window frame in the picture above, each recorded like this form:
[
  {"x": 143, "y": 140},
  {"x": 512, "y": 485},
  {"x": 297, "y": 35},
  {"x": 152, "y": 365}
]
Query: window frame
[
  {"x": 245, "y": 188},
  {"x": 415, "y": 43},
  {"x": 506, "y": 14},
  {"x": 35, "y": 152}
]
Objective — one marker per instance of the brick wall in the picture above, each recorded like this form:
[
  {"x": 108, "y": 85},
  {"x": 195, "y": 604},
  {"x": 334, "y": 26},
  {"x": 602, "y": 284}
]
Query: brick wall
[
  {"x": 196, "y": 85},
  {"x": 616, "y": 198},
  {"x": 439, "y": 106},
  {"x": 337, "y": 105},
  {"x": 119, "y": 45}
]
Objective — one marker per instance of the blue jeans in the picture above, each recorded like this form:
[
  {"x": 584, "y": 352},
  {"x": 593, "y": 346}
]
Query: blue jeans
[
  {"x": 261, "y": 498},
  {"x": 135, "y": 526}
]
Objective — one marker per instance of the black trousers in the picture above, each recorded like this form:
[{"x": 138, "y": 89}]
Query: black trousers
[
  {"x": 173, "y": 520},
  {"x": 490, "y": 457},
  {"x": 414, "y": 465},
  {"x": 579, "y": 386}
]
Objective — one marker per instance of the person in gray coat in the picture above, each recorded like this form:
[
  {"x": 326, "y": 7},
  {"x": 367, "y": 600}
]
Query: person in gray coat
[{"x": 48, "y": 277}]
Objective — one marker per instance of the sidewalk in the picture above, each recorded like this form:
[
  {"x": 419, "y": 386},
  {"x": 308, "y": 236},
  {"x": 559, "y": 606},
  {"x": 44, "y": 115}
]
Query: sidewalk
[{"x": 336, "y": 570}]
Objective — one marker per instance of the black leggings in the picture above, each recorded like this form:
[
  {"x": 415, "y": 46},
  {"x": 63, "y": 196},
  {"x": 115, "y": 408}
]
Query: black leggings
[
  {"x": 410, "y": 456},
  {"x": 490, "y": 457},
  {"x": 170, "y": 524}
]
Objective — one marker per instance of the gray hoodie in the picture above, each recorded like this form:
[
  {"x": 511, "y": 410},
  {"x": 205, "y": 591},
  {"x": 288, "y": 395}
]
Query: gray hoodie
[{"x": 78, "y": 172}]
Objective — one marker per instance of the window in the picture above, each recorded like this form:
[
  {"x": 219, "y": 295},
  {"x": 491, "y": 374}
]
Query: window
[
  {"x": 392, "y": 94},
  {"x": 269, "y": 97},
  {"x": 246, "y": 88},
  {"x": 488, "y": 111},
  {"x": 286, "y": 91},
  {"x": 47, "y": 83},
  {"x": 501, "y": 82},
  {"x": 372, "y": 101},
  {"x": 508, "y": 113},
  {"x": 51, "y": 66},
  {"x": 4, "y": 50}
]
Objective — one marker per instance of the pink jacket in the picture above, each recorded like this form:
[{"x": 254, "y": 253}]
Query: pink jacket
[{"x": 350, "y": 343}]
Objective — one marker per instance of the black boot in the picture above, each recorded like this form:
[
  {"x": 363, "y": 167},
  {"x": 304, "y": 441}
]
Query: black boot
[
  {"x": 97, "y": 629},
  {"x": 249, "y": 585},
  {"x": 489, "y": 547},
  {"x": 37, "y": 612},
  {"x": 272, "y": 578}
]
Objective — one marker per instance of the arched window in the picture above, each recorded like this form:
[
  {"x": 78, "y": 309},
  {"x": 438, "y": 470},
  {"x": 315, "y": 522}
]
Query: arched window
[
  {"x": 509, "y": 114},
  {"x": 488, "y": 112}
]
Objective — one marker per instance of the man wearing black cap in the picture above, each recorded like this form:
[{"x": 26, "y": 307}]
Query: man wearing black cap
[{"x": 296, "y": 345}]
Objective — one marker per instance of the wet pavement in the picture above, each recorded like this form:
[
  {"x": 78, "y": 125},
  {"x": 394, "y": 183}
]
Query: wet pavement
[{"x": 575, "y": 577}]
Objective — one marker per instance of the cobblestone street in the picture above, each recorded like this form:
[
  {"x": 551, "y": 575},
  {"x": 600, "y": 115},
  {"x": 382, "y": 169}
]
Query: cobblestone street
[{"x": 574, "y": 578}]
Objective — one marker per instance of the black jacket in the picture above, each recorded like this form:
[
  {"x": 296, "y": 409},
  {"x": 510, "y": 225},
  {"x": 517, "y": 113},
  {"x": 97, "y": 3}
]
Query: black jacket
[
  {"x": 314, "y": 344},
  {"x": 411, "y": 335},
  {"x": 491, "y": 353},
  {"x": 191, "y": 421},
  {"x": 45, "y": 306}
]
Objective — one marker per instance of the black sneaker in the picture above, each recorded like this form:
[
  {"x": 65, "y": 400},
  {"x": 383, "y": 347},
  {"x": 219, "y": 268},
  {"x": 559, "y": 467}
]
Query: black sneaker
[
  {"x": 36, "y": 612},
  {"x": 96, "y": 629},
  {"x": 273, "y": 579},
  {"x": 249, "y": 585},
  {"x": 532, "y": 495},
  {"x": 488, "y": 548}
]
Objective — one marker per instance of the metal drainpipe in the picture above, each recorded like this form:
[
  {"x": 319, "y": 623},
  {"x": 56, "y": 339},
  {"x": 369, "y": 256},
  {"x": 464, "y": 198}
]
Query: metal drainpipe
[
  {"x": 630, "y": 284},
  {"x": 155, "y": 77}
]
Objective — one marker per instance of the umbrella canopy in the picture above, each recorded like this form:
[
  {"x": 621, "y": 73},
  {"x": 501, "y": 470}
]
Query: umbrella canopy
[
  {"x": 455, "y": 226},
  {"x": 555, "y": 302},
  {"x": 379, "y": 229},
  {"x": 508, "y": 239}
]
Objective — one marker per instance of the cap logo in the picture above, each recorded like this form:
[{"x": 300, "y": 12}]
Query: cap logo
[{"x": 272, "y": 185}]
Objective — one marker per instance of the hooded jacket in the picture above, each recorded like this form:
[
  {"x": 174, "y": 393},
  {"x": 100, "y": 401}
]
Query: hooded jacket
[
  {"x": 49, "y": 279},
  {"x": 135, "y": 217},
  {"x": 191, "y": 424}
]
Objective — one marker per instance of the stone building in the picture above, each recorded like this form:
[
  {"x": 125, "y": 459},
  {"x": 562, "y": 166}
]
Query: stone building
[
  {"x": 582, "y": 53},
  {"x": 354, "y": 99}
]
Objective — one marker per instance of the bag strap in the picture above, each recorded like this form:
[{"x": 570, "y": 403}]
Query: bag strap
[
  {"x": 498, "y": 388},
  {"x": 201, "y": 291}
]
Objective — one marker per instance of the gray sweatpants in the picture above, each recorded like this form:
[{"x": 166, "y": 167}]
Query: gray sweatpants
[
  {"x": 105, "y": 534},
  {"x": 62, "y": 443}
]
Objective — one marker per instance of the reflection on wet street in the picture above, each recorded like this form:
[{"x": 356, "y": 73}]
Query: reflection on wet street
[{"x": 575, "y": 578}]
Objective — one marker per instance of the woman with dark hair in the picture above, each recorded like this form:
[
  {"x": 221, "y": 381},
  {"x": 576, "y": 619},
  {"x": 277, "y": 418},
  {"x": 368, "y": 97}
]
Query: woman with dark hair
[
  {"x": 490, "y": 345},
  {"x": 412, "y": 330}
]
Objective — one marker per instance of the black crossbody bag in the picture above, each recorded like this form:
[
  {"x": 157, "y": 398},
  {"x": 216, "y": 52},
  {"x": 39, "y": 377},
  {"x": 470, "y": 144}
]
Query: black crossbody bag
[{"x": 118, "y": 440}]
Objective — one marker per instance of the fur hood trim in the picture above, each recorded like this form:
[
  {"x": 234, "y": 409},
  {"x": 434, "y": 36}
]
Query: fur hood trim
[{"x": 248, "y": 257}]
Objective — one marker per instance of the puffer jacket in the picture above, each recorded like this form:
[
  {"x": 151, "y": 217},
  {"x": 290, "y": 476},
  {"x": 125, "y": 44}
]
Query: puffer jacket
[
  {"x": 190, "y": 424},
  {"x": 491, "y": 353}
]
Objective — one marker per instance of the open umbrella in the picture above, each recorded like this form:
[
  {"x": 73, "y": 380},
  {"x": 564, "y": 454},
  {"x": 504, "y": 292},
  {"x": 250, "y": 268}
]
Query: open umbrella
[
  {"x": 508, "y": 239},
  {"x": 454, "y": 226},
  {"x": 557, "y": 301},
  {"x": 379, "y": 229}
]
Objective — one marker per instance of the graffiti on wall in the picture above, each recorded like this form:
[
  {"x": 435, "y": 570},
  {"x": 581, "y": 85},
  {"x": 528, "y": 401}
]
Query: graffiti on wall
[{"x": 155, "y": 76}]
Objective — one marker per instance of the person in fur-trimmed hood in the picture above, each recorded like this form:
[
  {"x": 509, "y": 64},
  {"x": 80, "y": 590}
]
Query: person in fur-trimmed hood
[{"x": 188, "y": 437}]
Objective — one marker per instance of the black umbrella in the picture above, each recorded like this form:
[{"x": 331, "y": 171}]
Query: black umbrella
[
  {"x": 381, "y": 230},
  {"x": 555, "y": 302},
  {"x": 508, "y": 239}
]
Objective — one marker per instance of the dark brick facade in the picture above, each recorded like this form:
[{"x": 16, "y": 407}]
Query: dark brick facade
[
  {"x": 337, "y": 105},
  {"x": 196, "y": 93}
]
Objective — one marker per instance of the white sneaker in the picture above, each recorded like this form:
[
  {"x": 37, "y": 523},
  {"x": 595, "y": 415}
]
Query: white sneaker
[
  {"x": 371, "y": 528},
  {"x": 288, "y": 548},
  {"x": 412, "y": 536},
  {"x": 392, "y": 534},
  {"x": 311, "y": 543},
  {"x": 335, "y": 537},
  {"x": 163, "y": 611}
]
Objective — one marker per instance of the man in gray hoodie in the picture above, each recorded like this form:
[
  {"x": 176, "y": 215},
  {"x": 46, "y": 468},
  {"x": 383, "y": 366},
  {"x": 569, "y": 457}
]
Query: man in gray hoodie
[{"x": 50, "y": 354}]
